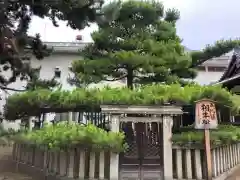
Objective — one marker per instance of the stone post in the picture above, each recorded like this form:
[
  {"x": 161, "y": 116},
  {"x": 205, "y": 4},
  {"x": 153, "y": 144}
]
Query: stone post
[
  {"x": 114, "y": 126},
  {"x": 70, "y": 116},
  {"x": 167, "y": 147},
  {"x": 114, "y": 157}
]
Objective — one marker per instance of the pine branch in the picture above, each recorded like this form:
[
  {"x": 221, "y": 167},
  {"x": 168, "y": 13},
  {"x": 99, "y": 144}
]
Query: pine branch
[
  {"x": 11, "y": 89},
  {"x": 117, "y": 79},
  {"x": 218, "y": 49}
]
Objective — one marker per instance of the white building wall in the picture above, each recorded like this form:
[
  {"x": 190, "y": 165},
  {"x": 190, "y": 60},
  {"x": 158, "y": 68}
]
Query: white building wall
[
  {"x": 48, "y": 65},
  {"x": 205, "y": 78},
  {"x": 47, "y": 72}
]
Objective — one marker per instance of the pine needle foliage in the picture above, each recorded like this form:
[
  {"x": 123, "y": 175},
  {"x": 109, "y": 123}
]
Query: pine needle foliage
[{"x": 137, "y": 41}]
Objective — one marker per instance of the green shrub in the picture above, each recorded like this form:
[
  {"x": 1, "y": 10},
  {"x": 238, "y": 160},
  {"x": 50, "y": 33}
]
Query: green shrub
[
  {"x": 225, "y": 134},
  {"x": 6, "y": 135},
  {"x": 65, "y": 135}
]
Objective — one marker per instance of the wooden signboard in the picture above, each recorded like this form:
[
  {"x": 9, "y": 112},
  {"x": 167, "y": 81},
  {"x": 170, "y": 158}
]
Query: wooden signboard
[
  {"x": 206, "y": 119},
  {"x": 205, "y": 115}
]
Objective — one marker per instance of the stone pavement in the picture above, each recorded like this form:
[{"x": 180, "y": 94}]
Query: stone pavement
[
  {"x": 235, "y": 175},
  {"x": 7, "y": 167}
]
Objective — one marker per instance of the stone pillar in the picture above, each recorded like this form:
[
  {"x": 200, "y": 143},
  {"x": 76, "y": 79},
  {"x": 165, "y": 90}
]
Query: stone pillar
[
  {"x": 82, "y": 156},
  {"x": 63, "y": 164},
  {"x": 14, "y": 150},
  {"x": 206, "y": 68},
  {"x": 167, "y": 147},
  {"x": 92, "y": 163},
  {"x": 102, "y": 165},
  {"x": 44, "y": 117},
  {"x": 30, "y": 125},
  {"x": 198, "y": 165},
  {"x": 75, "y": 116},
  {"x": 45, "y": 159},
  {"x": 70, "y": 117},
  {"x": 71, "y": 163},
  {"x": 179, "y": 163},
  {"x": 114, "y": 157}
]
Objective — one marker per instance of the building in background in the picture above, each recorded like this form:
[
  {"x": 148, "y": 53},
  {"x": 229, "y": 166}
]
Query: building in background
[
  {"x": 212, "y": 70},
  {"x": 65, "y": 52}
]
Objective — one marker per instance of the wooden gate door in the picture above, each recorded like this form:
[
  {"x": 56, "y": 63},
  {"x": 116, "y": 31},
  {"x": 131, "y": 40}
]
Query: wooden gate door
[{"x": 143, "y": 159}]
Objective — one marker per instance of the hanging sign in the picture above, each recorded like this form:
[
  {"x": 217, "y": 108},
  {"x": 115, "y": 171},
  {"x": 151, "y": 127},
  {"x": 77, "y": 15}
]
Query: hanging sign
[{"x": 205, "y": 114}]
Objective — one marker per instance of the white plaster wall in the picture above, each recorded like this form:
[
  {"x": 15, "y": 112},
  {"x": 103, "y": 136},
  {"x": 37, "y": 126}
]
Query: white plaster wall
[
  {"x": 205, "y": 78},
  {"x": 48, "y": 64},
  {"x": 47, "y": 72}
]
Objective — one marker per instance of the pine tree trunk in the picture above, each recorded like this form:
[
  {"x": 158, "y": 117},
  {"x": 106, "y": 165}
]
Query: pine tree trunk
[{"x": 130, "y": 79}]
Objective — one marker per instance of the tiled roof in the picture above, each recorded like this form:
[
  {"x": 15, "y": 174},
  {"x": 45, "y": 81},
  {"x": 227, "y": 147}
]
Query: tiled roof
[{"x": 66, "y": 47}]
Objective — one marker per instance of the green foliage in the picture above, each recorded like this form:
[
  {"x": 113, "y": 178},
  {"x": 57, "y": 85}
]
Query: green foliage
[
  {"x": 31, "y": 103},
  {"x": 225, "y": 134},
  {"x": 137, "y": 41},
  {"x": 67, "y": 135},
  {"x": 42, "y": 84},
  {"x": 219, "y": 48},
  {"x": 7, "y": 134},
  {"x": 16, "y": 47}
]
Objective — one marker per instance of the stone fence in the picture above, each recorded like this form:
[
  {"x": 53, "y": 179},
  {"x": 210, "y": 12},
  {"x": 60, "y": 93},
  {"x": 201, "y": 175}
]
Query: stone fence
[
  {"x": 189, "y": 163},
  {"x": 75, "y": 163},
  {"x": 175, "y": 162}
]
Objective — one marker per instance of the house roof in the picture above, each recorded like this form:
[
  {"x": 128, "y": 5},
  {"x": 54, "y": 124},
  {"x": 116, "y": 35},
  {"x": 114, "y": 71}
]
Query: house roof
[
  {"x": 66, "y": 47},
  {"x": 231, "y": 76},
  {"x": 75, "y": 47}
]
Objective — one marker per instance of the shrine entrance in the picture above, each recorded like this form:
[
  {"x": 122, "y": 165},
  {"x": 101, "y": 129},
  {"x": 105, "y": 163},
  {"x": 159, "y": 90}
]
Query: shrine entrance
[{"x": 143, "y": 159}]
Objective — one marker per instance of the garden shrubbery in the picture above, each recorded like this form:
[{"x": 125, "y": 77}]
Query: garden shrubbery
[
  {"x": 225, "y": 134},
  {"x": 6, "y": 135},
  {"x": 65, "y": 135}
]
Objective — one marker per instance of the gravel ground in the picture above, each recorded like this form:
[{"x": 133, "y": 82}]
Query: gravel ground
[
  {"x": 235, "y": 175},
  {"x": 7, "y": 170},
  {"x": 14, "y": 176}
]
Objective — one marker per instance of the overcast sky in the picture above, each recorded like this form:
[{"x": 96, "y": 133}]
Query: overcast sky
[{"x": 202, "y": 22}]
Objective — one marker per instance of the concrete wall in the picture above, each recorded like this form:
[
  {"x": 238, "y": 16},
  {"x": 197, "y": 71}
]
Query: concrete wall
[{"x": 205, "y": 78}]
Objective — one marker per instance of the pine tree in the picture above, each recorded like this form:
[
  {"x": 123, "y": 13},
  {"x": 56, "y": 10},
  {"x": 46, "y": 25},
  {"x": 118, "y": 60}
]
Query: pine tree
[
  {"x": 137, "y": 41},
  {"x": 16, "y": 45}
]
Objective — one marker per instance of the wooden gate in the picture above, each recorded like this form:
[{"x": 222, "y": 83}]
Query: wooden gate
[{"x": 143, "y": 159}]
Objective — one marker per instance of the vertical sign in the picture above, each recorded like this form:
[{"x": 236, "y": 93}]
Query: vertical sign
[
  {"x": 205, "y": 115},
  {"x": 206, "y": 119}
]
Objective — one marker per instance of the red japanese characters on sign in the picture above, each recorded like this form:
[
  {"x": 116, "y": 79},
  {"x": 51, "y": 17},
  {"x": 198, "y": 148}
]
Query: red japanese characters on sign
[{"x": 205, "y": 115}]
